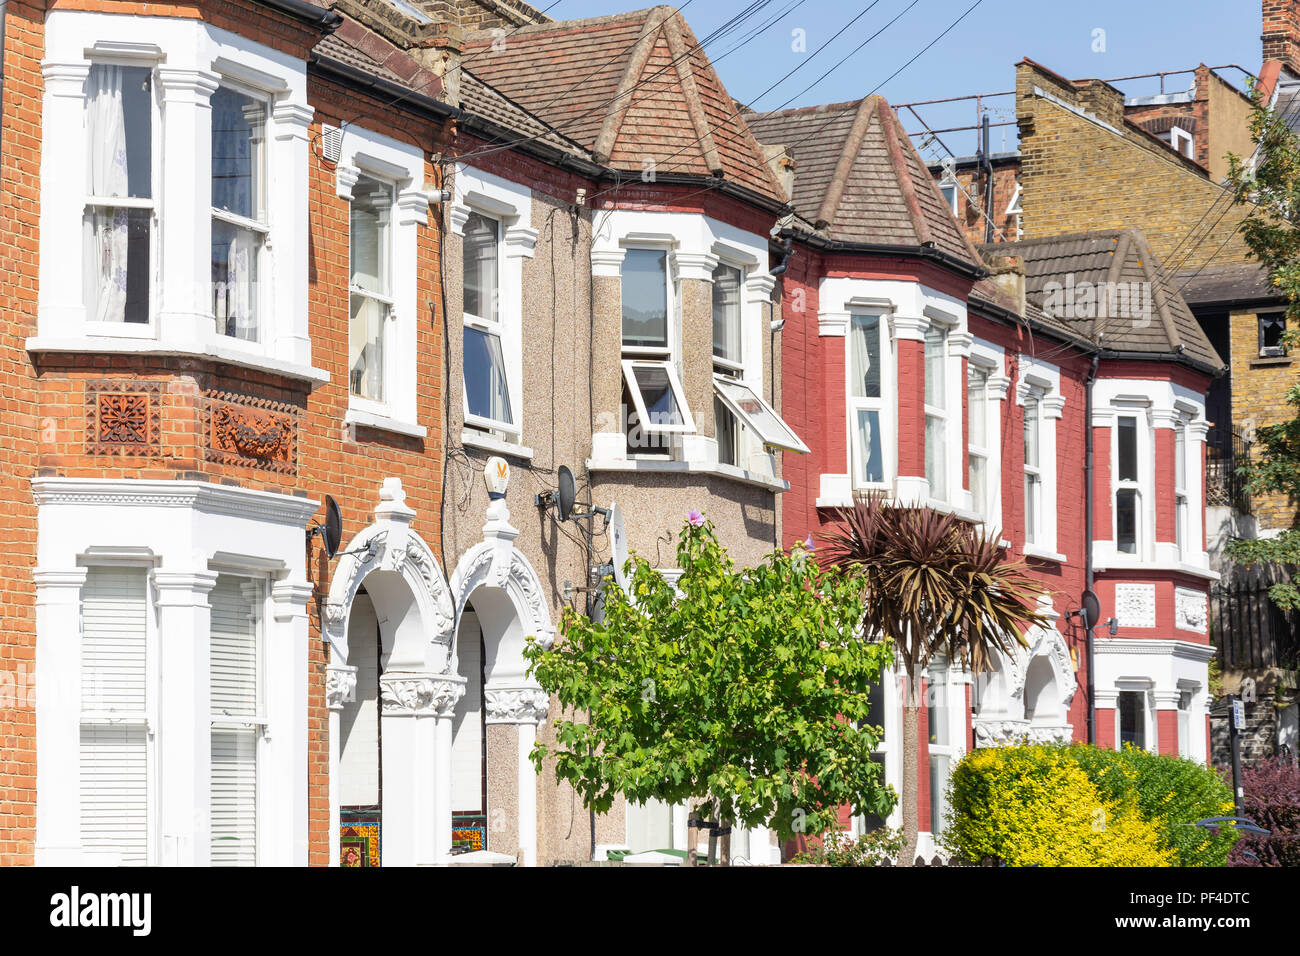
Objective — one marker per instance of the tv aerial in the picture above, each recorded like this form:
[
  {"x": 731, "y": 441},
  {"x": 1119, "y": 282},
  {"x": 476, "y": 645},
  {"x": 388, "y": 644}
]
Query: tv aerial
[{"x": 332, "y": 530}]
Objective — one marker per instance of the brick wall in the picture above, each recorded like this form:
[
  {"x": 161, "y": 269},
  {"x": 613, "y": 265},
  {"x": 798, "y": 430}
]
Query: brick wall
[
  {"x": 1080, "y": 176},
  {"x": 1259, "y": 388}
]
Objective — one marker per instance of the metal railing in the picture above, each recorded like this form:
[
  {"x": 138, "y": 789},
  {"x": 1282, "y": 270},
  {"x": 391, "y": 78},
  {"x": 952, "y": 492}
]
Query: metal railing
[
  {"x": 1249, "y": 631},
  {"x": 1225, "y": 453}
]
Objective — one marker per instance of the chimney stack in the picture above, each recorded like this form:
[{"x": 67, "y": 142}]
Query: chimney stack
[{"x": 1281, "y": 34}]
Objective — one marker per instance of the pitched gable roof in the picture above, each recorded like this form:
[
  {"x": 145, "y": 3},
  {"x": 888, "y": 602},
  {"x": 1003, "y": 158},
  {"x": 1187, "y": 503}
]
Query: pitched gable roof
[
  {"x": 858, "y": 178},
  {"x": 1062, "y": 263},
  {"x": 634, "y": 89}
]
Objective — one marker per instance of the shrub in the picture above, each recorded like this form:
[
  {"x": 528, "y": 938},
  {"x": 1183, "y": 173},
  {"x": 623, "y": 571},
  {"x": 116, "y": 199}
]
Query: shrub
[
  {"x": 1171, "y": 793},
  {"x": 1036, "y": 806},
  {"x": 1273, "y": 801},
  {"x": 838, "y": 848}
]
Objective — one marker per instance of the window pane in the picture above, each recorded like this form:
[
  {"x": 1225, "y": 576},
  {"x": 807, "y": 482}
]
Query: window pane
[
  {"x": 1181, "y": 523},
  {"x": 657, "y": 393},
  {"x": 1132, "y": 722},
  {"x": 936, "y": 457},
  {"x": 234, "y": 279},
  {"x": 871, "y": 467},
  {"x": 978, "y": 484},
  {"x": 234, "y": 796},
  {"x": 757, "y": 415},
  {"x": 938, "y": 791},
  {"x": 977, "y": 386},
  {"x": 1126, "y": 520},
  {"x": 238, "y": 135},
  {"x": 366, "y": 347},
  {"x": 1031, "y": 433},
  {"x": 235, "y": 692},
  {"x": 938, "y": 714},
  {"x": 119, "y": 131},
  {"x": 1032, "y": 489},
  {"x": 936, "y": 341},
  {"x": 371, "y": 209},
  {"x": 1126, "y": 468},
  {"x": 1271, "y": 327},
  {"x": 481, "y": 249},
  {"x": 645, "y": 298},
  {"x": 726, "y": 313},
  {"x": 1180, "y": 457},
  {"x": 864, "y": 346},
  {"x": 487, "y": 390},
  {"x": 115, "y": 257},
  {"x": 724, "y": 425}
]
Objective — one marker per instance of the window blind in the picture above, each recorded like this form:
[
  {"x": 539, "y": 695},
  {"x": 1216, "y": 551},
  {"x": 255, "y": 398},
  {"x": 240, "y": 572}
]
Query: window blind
[{"x": 236, "y": 721}]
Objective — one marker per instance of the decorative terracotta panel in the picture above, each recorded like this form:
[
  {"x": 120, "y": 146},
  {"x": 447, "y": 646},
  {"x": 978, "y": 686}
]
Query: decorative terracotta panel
[
  {"x": 253, "y": 432},
  {"x": 123, "y": 417}
]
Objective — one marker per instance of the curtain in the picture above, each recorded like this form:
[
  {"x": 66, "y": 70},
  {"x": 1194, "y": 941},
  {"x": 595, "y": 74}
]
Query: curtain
[
  {"x": 105, "y": 231},
  {"x": 864, "y": 344},
  {"x": 241, "y": 264}
]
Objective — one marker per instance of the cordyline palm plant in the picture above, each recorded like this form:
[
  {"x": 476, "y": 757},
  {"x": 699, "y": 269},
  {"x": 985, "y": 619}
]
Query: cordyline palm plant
[{"x": 933, "y": 584}]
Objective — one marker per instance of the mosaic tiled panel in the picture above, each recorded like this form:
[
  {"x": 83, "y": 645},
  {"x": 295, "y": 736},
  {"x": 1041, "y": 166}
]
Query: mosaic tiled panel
[
  {"x": 468, "y": 832},
  {"x": 359, "y": 842}
]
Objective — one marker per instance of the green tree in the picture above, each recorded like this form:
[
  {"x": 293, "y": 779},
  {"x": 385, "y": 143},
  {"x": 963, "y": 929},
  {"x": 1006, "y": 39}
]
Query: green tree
[
  {"x": 932, "y": 584},
  {"x": 1268, "y": 184},
  {"x": 742, "y": 692}
]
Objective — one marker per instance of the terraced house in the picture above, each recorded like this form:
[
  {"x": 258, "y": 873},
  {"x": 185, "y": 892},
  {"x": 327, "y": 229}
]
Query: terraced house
[{"x": 419, "y": 261}]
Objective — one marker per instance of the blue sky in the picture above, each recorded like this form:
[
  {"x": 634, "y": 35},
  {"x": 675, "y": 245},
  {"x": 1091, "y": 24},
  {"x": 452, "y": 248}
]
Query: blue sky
[{"x": 1140, "y": 36}]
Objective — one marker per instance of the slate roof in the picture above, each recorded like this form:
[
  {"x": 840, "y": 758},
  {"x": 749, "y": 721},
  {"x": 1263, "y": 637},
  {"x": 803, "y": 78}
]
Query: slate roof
[
  {"x": 1224, "y": 284},
  {"x": 858, "y": 178},
  {"x": 1111, "y": 256},
  {"x": 629, "y": 88}
]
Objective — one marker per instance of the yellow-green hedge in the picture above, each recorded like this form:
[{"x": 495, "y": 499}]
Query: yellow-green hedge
[{"x": 1035, "y": 806}]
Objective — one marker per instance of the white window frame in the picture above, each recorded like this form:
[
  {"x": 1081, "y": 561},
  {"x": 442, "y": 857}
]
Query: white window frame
[
  {"x": 259, "y": 722},
  {"x": 1182, "y": 522},
  {"x": 772, "y": 439},
  {"x": 148, "y": 329},
  {"x": 364, "y": 152},
  {"x": 1043, "y": 380},
  {"x": 386, "y": 301},
  {"x": 1142, "y": 687},
  {"x": 679, "y": 394},
  {"x": 1139, "y": 485},
  {"x": 953, "y": 193},
  {"x": 669, "y": 356},
  {"x": 886, "y": 405},
  {"x": 942, "y": 413},
  {"x": 990, "y": 360},
  {"x": 150, "y": 716},
  {"x": 510, "y": 205},
  {"x": 190, "y": 60}
]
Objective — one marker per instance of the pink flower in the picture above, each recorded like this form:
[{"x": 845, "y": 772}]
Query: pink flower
[
  {"x": 808, "y": 544},
  {"x": 695, "y": 518}
]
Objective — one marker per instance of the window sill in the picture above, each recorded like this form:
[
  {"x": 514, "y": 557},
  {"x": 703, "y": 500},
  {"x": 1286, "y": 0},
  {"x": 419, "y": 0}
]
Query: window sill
[
  {"x": 1117, "y": 562},
  {"x": 1266, "y": 361},
  {"x": 1043, "y": 554},
  {"x": 667, "y": 465},
  {"x": 471, "y": 439},
  {"x": 216, "y": 352},
  {"x": 385, "y": 423}
]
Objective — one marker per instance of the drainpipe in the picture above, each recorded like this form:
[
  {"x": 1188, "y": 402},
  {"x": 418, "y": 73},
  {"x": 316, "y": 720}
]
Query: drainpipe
[
  {"x": 2, "y": 73},
  {"x": 987, "y": 164},
  {"x": 1087, "y": 538}
]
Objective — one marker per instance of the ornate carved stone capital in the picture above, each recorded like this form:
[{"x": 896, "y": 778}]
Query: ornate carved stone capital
[
  {"x": 516, "y": 705},
  {"x": 420, "y": 695},
  {"x": 999, "y": 733},
  {"x": 340, "y": 686}
]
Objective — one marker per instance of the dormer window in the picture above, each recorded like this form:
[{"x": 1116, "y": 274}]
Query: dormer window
[{"x": 952, "y": 194}]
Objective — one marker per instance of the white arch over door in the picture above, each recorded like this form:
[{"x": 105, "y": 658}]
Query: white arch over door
[{"x": 416, "y": 614}]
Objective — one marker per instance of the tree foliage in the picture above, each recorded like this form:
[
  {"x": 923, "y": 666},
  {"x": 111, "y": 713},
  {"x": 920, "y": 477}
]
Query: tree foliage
[
  {"x": 742, "y": 688},
  {"x": 1268, "y": 185}
]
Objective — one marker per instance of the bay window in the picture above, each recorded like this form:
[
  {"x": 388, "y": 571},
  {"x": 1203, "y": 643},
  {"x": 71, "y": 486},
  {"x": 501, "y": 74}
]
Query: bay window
[
  {"x": 116, "y": 734},
  {"x": 370, "y": 288},
  {"x": 936, "y": 411},
  {"x": 239, "y": 219},
  {"x": 866, "y": 398},
  {"x": 118, "y": 228},
  {"x": 654, "y": 403},
  {"x": 1033, "y": 413},
  {"x": 1127, "y": 487},
  {"x": 238, "y": 719}
]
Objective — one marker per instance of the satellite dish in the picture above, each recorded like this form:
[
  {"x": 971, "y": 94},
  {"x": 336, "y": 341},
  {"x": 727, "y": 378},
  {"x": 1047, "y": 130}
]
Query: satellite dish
[
  {"x": 1091, "y": 609},
  {"x": 333, "y": 526},
  {"x": 617, "y": 543},
  {"x": 568, "y": 492}
]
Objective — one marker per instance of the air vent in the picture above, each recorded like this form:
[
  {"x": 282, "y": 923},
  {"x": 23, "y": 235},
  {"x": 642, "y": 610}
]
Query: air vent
[{"x": 331, "y": 143}]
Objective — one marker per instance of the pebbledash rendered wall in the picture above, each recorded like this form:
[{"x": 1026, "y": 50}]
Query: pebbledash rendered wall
[{"x": 61, "y": 400}]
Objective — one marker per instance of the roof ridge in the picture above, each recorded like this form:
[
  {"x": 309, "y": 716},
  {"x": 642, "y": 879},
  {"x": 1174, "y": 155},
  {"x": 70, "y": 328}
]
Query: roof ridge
[
  {"x": 632, "y": 71},
  {"x": 486, "y": 36},
  {"x": 823, "y": 107},
  {"x": 849, "y": 151},
  {"x": 684, "y": 60}
]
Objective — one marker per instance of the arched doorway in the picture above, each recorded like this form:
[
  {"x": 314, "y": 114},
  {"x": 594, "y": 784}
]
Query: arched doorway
[
  {"x": 499, "y": 605},
  {"x": 390, "y": 693}
]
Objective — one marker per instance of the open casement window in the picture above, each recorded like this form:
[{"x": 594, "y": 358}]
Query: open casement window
[
  {"x": 239, "y": 221},
  {"x": 979, "y": 451},
  {"x": 728, "y": 359},
  {"x": 116, "y": 738},
  {"x": 657, "y": 397},
  {"x": 120, "y": 215},
  {"x": 1128, "y": 494},
  {"x": 487, "y": 386},
  {"x": 238, "y": 720},
  {"x": 867, "y": 404},
  {"x": 370, "y": 288},
  {"x": 1033, "y": 410},
  {"x": 757, "y": 415},
  {"x": 936, "y": 411}
]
